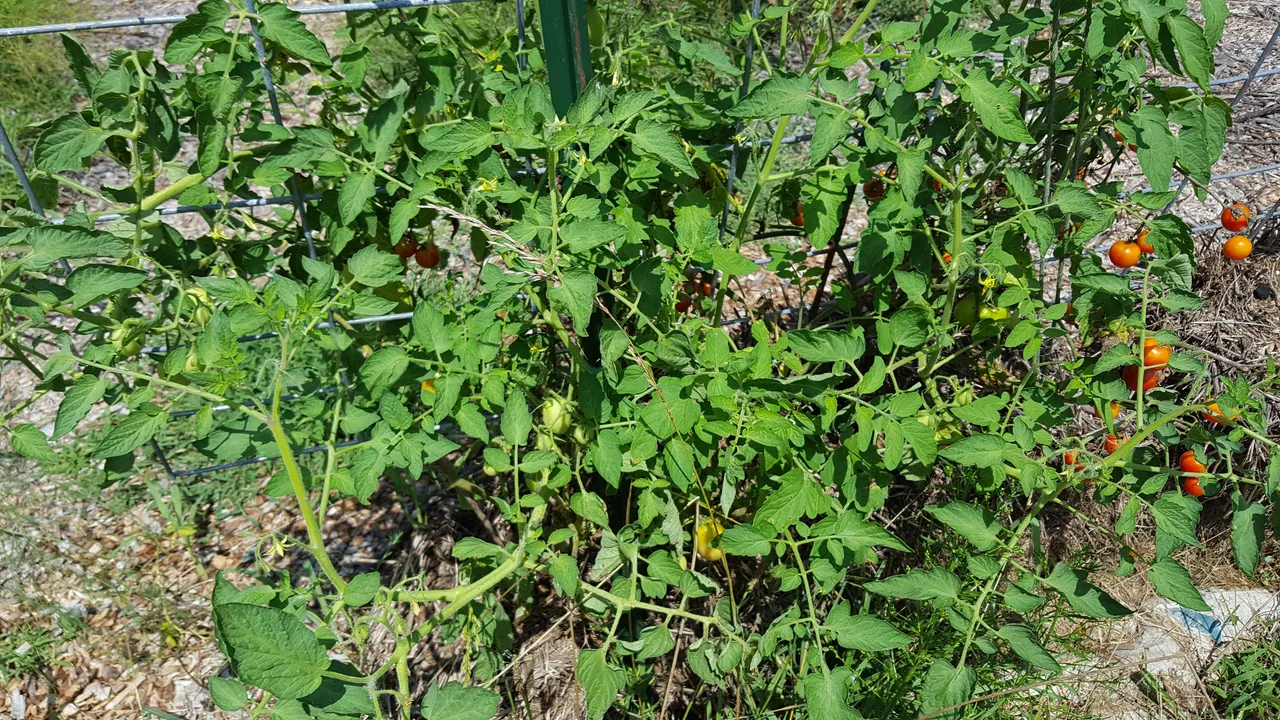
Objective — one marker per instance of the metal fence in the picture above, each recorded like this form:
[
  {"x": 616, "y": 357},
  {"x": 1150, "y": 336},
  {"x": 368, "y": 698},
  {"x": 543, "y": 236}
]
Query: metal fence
[{"x": 299, "y": 200}]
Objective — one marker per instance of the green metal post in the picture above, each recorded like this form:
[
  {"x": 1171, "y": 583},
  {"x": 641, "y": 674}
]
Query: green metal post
[{"x": 568, "y": 50}]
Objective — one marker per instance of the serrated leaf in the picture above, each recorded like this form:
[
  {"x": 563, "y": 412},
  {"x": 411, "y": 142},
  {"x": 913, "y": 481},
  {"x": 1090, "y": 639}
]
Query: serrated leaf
[
  {"x": 227, "y": 694},
  {"x": 361, "y": 589},
  {"x": 1174, "y": 582},
  {"x": 381, "y": 369},
  {"x": 67, "y": 144},
  {"x": 271, "y": 649},
  {"x": 129, "y": 434},
  {"x": 356, "y": 190},
  {"x": 600, "y": 682},
  {"x": 455, "y": 701},
  {"x": 779, "y": 95},
  {"x": 866, "y": 633},
  {"x": 1023, "y": 641},
  {"x": 1084, "y": 597},
  {"x": 935, "y": 584},
  {"x": 280, "y": 25},
  {"x": 76, "y": 404},
  {"x": 977, "y": 525},
  {"x": 28, "y": 441},
  {"x": 1248, "y": 530},
  {"x": 946, "y": 686},
  {"x": 983, "y": 451},
  {"x": 996, "y": 108},
  {"x": 656, "y": 140}
]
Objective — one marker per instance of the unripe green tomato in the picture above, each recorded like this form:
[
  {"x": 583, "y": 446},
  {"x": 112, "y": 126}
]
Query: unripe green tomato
[
  {"x": 488, "y": 470},
  {"x": 994, "y": 313},
  {"x": 193, "y": 363},
  {"x": 859, "y": 114},
  {"x": 546, "y": 442},
  {"x": 580, "y": 436},
  {"x": 126, "y": 344},
  {"x": 555, "y": 415}
]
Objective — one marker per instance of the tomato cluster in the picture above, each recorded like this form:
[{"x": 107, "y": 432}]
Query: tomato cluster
[{"x": 426, "y": 256}]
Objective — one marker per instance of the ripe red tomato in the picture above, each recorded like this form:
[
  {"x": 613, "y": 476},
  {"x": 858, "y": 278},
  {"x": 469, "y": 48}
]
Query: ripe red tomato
[
  {"x": 1150, "y": 378},
  {"x": 1237, "y": 248},
  {"x": 797, "y": 218},
  {"x": 937, "y": 186},
  {"x": 1189, "y": 463},
  {"x": 684, "y": 304},
  {"x": 1192, "y": 486},
  {"x": 1235, "y": 217},
  {"x": 1155, "y": 355},
  {"x": 706, "y": 289},
  {"x": 1215, "y": 415},
  {"x": 1143, "y": 245},
  {"x": 428, "y": 257},
  {"x": 873, "y": 189},
  {"x": 1069, "y": 460},
  {"x": 1111, "y": 444},
  {"x": 1125, "y": 254},
  {"x": 406, "y": 247}
]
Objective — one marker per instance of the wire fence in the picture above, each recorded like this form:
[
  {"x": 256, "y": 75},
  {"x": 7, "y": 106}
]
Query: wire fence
[{"x": 299, "y": 200}]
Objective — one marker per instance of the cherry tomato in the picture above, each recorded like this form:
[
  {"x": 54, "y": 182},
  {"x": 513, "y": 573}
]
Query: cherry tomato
[
  {"x": 1237, "y": 248},
  {"x": 708, "y": 533},
  {"x": 406, "y": 247},
  {"x": 489, "y": 470},
  {"x": 1143, "y": 245},
  {"x": 1155, "y": 355},
  {"x": 1215, "y": 415},
  {"x": 1120, "y": 139},
  {"x": 873, "y": 189},
  {"x": 937, "y": 186},
  {"x": 994, "y": 313},
  {"x": 428, "y": 257},
  {"x": 1235, "y": 217},
  {"x": 1125, "y": 254},
  {"x": 684, "y": 305},
  {"x": 1189, "y": 463},
  {"x": 946, "y": 258},
  {"x": 429, "y": 385},
  {"x": 1111, "y": 444},
  {"x": 797, "y": 218},
  {"x": 1115, "y": 410},
  {"x": 706, "y": 289},
  {"x": 1150, "y": 378},
  {"x": 1069, "y": 460},
  {"x": 1192, "y": 486}
]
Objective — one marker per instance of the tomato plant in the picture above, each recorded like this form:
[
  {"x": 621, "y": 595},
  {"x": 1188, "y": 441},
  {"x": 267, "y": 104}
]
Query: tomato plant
[{"x": 707, "y": 501}]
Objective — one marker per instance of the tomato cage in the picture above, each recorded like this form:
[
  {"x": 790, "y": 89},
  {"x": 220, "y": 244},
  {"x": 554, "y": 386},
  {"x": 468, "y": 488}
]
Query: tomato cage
[{"x": 568, "y": 68}]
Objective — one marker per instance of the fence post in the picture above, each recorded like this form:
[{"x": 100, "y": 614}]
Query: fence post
[{"x": 567, "y": 48}]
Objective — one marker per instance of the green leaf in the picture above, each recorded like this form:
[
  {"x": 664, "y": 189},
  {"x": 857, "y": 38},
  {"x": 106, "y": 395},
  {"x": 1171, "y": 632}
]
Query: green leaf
[
  {"x": 910, "y": 172},
  {"x": 866, "y": 633},
  {"x": 1248, "y": 530},
  {"x": 729, "y": 262},
  {"x": 564, "y": 571},
  {"x": 1177, "y": 516},
  {"x": 599, "y": 682},
  {"x": 233, "y": 291},
  {"x": 746, "y": 540},
  {"x": 381, "y": 369},
  {"x": 361, "y": 590},
  {"x": 1156, "y": 147},
  {"x": 28, "y": 441},
  {"x": 798, "y": 496},
  {"x": 383, "y": 128},
  {"x": 464, "y": 140},
  {"x": 944, "y": 687},
  {"x": 456, "y": 701},
  {"x": 227, "y": 694},
  {"x": 1084, "y": 597},
  {"x": 77, "y": 402},
  {"x": 983, "y": 451},
  {"x": 355, "y": 192},
  {"x": 656, "y": 641},
  {"x": 575, "y": 296},
  {"x": 430, "y": 329},
  {"x": 996, "y": 108},
  {"x": 586, "y": 234},
  {"x": 67, "y": 144},
  {"x": 977, "y": 525},
  {"x": 82, "y": 65},
  {"x": 1215, "y": 20},
  {"x": 831, "y": 129},
  {"x": 206, "y": 25},
  {"x": 824, "y": 694},
  {"x": 374, "y": 267},
  {"x": 653, "y": 139},
  {"x": 825, "y": 346},
  {"x": 935, "y": 584},
  {"x": 271, "y": 649},
  {"x": 516, "y": 419},
  {"x": 779, "y": 95},
  {"x": 590, "y": 506},
  {"x": 211, "y": 136},
  {"x": 66, "y": 242},
  {"x": 1194, "y": 52},
  {"x": 1026, "y": 645},
  {"x": 1174, "y": 582},
  {"x": 130, "y": 434},
  {"x": 280, "y": 25}
]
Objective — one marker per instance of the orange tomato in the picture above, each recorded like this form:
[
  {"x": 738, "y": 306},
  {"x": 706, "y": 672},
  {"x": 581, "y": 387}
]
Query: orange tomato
[
  {"x": 1215, "y": 415},
  {"x": 1155, "y": 355},
  {"x": 1192, "y": 486},
  {"x": 1143, "y": 245},
  {"x": 1125, "y": 254},
  {"x": 797, "y": 218},
  {"x": 1111, "y": 444},
  {"x": 429, "y": 385},
  {"x": 1115, "y": 410},
  {"x": 1237, "y": 248},
  {"x": 1189, "y": 463},
  {"x": 946, "y": 258},
  {"x": 1069, "y": 460},
  {"x": 1150, "y": 378},
  {"x": 1235, "y": 217}
]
